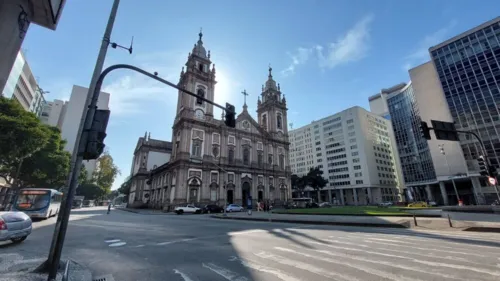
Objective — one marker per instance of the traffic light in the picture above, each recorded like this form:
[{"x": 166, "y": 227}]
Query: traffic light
[
  {"x": 230, "y": 116},
  {"x": 483, "y": 166},
  {"x": 444, "y": 130},
  {"x": 95, "y": 137},
  {"x": 492, "y": 171},
  {"x": 425, "y": 131}
]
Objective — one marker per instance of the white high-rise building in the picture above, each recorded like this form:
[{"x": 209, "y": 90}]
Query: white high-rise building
[
  {"x": 73, "y": 116},
  {"x": 53, "y": 113},
  {"x": 356, "y": 151}
]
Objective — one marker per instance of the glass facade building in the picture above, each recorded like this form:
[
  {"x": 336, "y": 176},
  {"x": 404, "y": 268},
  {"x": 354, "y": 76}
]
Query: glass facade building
[
  {"x": 414, "y": 154},
  {"x": 468, "y": 66}
]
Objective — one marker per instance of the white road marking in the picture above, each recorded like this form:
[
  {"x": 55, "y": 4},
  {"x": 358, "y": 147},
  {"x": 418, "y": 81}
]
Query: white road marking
[
  {"x": 183, "y": 275},
  {"x": 372, "y": 271},
  {"x": 176, "y": 241},
  {"x": 112, "y": 241},
  {"x": 255, "y": 266},
  {"x": 139, "y": 246},
  {"x": 117, "y": 244},
  {"x": 305, "y": 266},
  {"x": 224, "y": 272},
  {"x": 11, "y": 259}
]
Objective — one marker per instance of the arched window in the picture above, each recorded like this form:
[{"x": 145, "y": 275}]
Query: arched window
[
  {"x": 246, "y": 156},
  {"x": 201, "y": 66},
  {"x": 264, "y": 121},
  {"x": 200, "y": 93},
  {"x": 279, "y": 121}
]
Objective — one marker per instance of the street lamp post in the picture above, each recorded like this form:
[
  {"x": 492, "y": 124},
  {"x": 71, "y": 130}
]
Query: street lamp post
[{"x": 441, "y": 147}]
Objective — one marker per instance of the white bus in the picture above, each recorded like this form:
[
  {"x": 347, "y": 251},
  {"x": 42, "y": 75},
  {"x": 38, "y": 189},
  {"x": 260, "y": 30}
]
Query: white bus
[{"x": 38, "y": 202}]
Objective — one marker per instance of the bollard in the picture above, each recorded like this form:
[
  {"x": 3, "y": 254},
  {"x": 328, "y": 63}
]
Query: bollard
[
  {"x": 415, "y": 220},
  {"x": 449, "y": 221}
]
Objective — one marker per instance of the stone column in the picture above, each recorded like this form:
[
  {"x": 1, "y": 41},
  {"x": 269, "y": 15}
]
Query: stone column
[
  {"x": 342, "y": 196},
  {"x": 429, "y": 193},
  {"x": 443, "y": 193},
  {"x": 355, "y": 196}
]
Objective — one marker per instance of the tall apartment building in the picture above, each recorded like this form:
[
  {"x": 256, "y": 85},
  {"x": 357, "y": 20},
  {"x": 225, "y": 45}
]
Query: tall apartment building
[
  {"x": 72, "y": 118},
  {"x": 468, "y": 67},
  {"x": 356, "y": 152},
  {"x": 21, "y": 86},
  {"x": 53, "y": 113}
]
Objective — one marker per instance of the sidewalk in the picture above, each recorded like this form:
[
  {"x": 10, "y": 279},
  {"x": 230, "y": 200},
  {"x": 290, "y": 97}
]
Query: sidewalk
[
  {"x": 16, "y": 267},
  {"x": 369, "y": 221}
]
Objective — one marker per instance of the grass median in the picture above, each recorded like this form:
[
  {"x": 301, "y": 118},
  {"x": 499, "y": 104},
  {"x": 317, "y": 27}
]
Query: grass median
[{"x": 348, "y": 210}]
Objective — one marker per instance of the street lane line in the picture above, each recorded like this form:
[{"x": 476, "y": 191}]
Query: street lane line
[
  {"x": 255, "y": 266},
  {"x": 224, "y": 272},
  {"x": 117, "y": 244},
  {"x": 112, "y": 241},
  {"x": 306, "y": 267},
  {"x": 176, "y": 241},
  {"x": 371, "y": 271},
  {"x": 183, "y": 275}
]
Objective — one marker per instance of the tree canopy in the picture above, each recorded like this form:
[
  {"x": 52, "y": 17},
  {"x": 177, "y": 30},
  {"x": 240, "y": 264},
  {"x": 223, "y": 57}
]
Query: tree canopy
[
  {"x": 99, "y": 185},
  {"x": 39, "y": 147},
  {"x": 91, "y": 191},
  {"x": 125, "y": 187},
  {"x": 314, "y": 178}
]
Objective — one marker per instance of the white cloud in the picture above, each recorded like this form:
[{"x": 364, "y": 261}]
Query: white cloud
[
  {"x": 421, "y": 53},
  {"x": 350, "y": 47}
]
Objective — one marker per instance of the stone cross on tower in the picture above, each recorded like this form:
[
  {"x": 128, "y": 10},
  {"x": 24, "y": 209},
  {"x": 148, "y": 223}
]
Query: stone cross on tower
[{"x": 244, "y": 93}]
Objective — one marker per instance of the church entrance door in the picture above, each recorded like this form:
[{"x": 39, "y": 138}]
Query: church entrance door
[
  {"x": 245, "y": 193},
  {"x": 230, "y": 197},
  {"x": 261, "y": 195}
]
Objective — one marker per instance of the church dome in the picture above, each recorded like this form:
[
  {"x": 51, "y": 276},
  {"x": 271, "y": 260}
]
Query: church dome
[
  {"x": 270, "y": 83},
  {"x": 198, "y": 48}
]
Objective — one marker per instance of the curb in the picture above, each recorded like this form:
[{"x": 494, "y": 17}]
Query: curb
[
  {"x": 388, "y": 225},
  {"x": 363, "y": 215},
  {"x": 141, "y": 213},
  {"x": 483, "y": 229}
]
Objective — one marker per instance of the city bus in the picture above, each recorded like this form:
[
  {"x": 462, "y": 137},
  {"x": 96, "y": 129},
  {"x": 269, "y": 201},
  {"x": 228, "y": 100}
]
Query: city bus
[{"x": 38, "y": 202}]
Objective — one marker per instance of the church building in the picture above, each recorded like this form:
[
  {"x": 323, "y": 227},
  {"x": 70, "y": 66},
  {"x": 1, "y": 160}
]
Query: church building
[{"x": 211, "y": 163}]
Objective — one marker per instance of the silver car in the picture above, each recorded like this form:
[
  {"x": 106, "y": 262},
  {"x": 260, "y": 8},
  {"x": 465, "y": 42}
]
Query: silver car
[{"x": 14, "y": 226}]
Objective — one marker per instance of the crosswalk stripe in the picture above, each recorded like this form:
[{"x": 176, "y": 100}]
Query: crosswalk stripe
[
  {"x": 183, "y": 275},
  {"x": 255, "y": 266},
  {"x": 224, "y": 272},
  {"x": 368, "y": 270},
  {"x": 448, "y": 242},
  {"x": 305, "y": 266}
]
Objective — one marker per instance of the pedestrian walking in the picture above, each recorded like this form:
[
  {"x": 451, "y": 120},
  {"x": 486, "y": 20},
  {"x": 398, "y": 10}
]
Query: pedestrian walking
[{"x": 109, "y": 208}]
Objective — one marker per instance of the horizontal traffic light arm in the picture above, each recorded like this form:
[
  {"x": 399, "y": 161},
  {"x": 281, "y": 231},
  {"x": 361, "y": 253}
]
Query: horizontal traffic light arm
[{"x": 155, "y": 77}]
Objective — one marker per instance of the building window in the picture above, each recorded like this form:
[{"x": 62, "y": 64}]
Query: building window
[
  {"x": 279, "y": 121},
  {"x": 196, "y": 148},
  {"x": 230, "y": 177},
  {"x": 264, "y": 122},
  {"x": 201, "y": 94},
  {"x": 230, "y": 156},
  {"x": 270, "y": 159},
  {"x": 260, "y": 159},
  {"x": 282, "y": 161},
  {"x": 215, "y": 151},
  {"x": 246, "y": 156}
]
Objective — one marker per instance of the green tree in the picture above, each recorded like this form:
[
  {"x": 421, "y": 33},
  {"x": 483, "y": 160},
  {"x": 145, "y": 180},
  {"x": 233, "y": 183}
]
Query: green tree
[
  {"x": 91, "y": 191},
  {"x": 298, "y": 183},
  {"x": 48, "y": 167},
  {"x": 83, "y": 177},
  {"x": 314, "y": 179},
  {"x": 21, "y": 134},
  {"x": 125, "y": 187},
  {"x": 105, "y": 172}
]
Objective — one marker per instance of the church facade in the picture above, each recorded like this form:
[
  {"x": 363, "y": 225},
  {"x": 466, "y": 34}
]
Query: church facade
[{"x": 212, "y": 163}]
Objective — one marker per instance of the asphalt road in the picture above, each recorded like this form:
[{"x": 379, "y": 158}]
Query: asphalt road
[{"x": 128, "y": 246}]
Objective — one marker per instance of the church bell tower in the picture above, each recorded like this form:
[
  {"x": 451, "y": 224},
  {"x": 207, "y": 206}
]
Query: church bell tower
[{"x": 271, "y": 108}]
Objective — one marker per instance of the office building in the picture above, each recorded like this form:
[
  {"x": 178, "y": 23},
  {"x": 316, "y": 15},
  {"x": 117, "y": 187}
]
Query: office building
[
  {"x": 356, "y": 152},
  {"x": 22, "y": 86},
  {"x": 15, "y": 18},
  {"x": 468, "y": 67},
  {"x": 73, "y": 115},
  {"x": 53, "y": 113}
]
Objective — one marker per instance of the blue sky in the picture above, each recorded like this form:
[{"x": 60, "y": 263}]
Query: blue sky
[{"x": 327, "y": 55}]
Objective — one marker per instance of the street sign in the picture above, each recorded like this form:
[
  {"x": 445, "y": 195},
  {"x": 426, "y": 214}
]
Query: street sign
[{"x": 492, "y": 180}]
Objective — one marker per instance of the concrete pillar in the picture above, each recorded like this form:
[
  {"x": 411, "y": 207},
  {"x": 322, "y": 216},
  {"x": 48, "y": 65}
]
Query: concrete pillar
[
  {"x": 429, "y": 193},
  {"x": 443, "y": 193},
  {"x": 478, "y": 192},
  {"x": 330, "y": 195},
  {"x": 342, "y": 196},
  {"x": 355, "y": 196},
  {"x": 319, "y": 196},
  {"x": 370, "y": 199}
]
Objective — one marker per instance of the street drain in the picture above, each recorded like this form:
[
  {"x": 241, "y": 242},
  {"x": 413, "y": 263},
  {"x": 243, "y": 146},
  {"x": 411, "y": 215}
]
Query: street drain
[{"x": 108, "y": 277}]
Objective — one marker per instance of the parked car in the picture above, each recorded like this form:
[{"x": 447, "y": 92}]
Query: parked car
[
  {"x": 187, "y": 209},
  {"x": 312, "y": 205},
  {"x": 14, "y": 226},
  {"x": 420, "y": 204},
  {"x": 234, "y": 208},
  {"x": 325, "y": 205},
  {"x": 212, "y": 209},
  {"x": 385, "y": 204}
]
